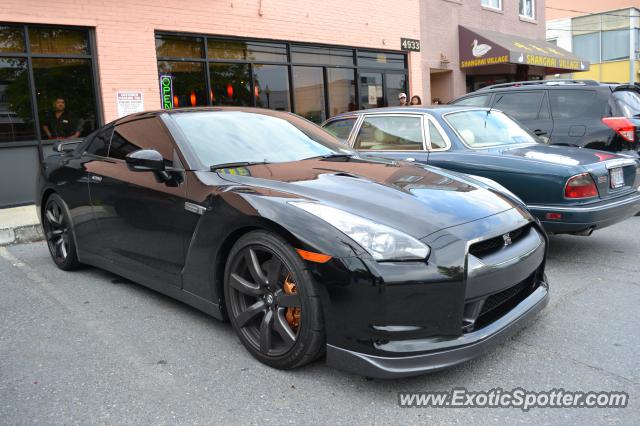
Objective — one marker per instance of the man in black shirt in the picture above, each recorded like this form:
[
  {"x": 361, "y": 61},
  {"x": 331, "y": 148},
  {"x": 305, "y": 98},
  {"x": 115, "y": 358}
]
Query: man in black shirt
[{"x": 59, "y": 124}]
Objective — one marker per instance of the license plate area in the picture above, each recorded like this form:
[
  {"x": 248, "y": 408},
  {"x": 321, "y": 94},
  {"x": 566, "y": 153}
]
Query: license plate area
[{"x": 616, "y": 177}]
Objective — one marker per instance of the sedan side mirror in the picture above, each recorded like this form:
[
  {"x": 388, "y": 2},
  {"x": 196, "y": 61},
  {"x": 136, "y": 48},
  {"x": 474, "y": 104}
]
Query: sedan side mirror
[{"x": 145, "y": 160}]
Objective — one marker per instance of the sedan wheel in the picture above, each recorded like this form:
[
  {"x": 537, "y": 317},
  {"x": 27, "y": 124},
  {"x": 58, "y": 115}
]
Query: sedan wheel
[
  {"x": 59, "y": 234},
  {"x": 272, "y": 301}
]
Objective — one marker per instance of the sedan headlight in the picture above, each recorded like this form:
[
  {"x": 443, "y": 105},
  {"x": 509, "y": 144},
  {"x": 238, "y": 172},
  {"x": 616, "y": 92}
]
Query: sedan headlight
[{"x": 382, "y": 242}]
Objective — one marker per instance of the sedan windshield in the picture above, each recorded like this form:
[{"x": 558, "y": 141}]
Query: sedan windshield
[
  {"x": 227, "y": 137},
  {"x": 484, "y": 128}
]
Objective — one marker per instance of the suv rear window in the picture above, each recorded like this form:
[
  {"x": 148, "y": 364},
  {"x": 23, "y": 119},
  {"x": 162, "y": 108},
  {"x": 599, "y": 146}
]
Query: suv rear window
[
  {"x": 628, "y": 101},
  {"x": 521, "y": 105},
  {"x": 569, "y": 104}
]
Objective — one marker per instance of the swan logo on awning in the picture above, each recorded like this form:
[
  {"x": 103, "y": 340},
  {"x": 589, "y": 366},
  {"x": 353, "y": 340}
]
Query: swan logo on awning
[
  {"x": 479, "y": 50},
  {"x": 166, "y": 91}
]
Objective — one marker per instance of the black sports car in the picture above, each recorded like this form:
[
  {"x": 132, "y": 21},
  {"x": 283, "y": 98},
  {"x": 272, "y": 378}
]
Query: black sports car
[{"x": 263, "y": 218}]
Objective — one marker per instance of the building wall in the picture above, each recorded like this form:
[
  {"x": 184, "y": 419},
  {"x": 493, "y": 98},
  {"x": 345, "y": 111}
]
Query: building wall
[
  {"x": 440, "y": 20},
  {"x": 614, "y": 71},
  {"x": 584, "y": 7},
  {"x": 125, "y": 30}
]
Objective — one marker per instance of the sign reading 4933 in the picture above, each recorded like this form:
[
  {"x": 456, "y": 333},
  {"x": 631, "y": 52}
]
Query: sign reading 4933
[{"x": 410, "y": 45}]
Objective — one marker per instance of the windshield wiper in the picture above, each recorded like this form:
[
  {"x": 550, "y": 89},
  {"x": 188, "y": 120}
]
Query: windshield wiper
[
  {"x": 346, "y": 157},
  {"x": 231, "y": 165}
]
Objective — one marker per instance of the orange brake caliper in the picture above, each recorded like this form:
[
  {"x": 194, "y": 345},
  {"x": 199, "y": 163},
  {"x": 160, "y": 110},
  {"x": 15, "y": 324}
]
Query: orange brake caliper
[{"x": 293, "y": 314}]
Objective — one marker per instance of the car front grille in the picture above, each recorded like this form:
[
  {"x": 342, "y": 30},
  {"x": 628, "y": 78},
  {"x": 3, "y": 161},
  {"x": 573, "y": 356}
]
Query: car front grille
[
  {"x": 486, "y": 247},
  {"x": 498, "y": 304}
]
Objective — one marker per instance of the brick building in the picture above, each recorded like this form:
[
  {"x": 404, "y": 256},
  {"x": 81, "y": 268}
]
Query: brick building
[{"x": 70, "y": 67}]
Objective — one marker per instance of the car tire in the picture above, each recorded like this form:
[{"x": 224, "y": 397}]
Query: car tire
[
  {"x": 261, "y": 300},
  {"x": 58, "y": 231}
]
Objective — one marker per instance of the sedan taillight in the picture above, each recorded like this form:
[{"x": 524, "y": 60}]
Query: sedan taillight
[
  {"x": 622, "y": 126},
  {"x": 580, "y": 186}
]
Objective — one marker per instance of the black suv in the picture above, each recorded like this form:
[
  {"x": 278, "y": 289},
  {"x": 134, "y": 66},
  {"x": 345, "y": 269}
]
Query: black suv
[{"x": 583, "y": 113}]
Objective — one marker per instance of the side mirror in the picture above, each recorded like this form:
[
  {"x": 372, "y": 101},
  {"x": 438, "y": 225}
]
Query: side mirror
[{"x": 145, "y": 160}]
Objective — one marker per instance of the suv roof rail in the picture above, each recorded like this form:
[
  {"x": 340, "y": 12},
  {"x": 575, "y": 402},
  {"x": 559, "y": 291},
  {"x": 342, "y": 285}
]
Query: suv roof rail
[{"x": 558, "y": 82}]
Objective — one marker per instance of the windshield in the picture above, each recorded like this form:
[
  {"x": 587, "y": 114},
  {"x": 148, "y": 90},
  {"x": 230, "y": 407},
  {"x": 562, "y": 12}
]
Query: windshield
[
  {"x": 628, "y": 101},
  {"x": 483, "y": 128},
  {"x": 222, "y": 137}
]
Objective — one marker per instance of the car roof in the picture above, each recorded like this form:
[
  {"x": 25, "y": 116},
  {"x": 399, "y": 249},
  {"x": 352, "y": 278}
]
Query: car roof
[
  {"x": 187, "y": 110},
  {"x": 554, "y": 85},
  {"x": 418, "y": 109}
]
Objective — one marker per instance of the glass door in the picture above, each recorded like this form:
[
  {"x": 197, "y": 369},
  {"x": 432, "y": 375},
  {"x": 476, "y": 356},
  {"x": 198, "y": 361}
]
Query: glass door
[{"x": 371, "y": 92}]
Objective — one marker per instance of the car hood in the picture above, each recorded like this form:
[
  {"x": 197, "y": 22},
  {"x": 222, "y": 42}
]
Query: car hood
[
  {"x": 415, "y": 199},
  {"x": 561, "y": 155}
]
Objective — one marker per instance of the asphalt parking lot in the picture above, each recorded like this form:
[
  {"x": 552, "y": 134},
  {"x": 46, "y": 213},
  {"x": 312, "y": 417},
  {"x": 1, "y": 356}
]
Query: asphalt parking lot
[{"x": 90, "y": 347}]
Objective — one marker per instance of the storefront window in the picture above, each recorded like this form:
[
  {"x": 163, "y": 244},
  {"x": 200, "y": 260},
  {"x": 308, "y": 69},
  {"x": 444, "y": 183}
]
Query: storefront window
[
  {"x": 11, "y": 39},
  {"x": 58, "y": 41},
  {"x": 189, "y": 82},
  {"x": 342, "y": 90},
  {"x": 308, "y": 92},
  {"x": 271, "y": 87},
  {"x": 54, "y": 68},
  {"x": 16, "y": 121},
  {"x": 381, "y": 60},
  {"x": 396, "y": 84},
  {"x": 179, "y": 47},
  {"x": 371, "y": 90},
  {"x": 321, "y": 55},
  {"x": 230, "y": 84},
  {"x": 66, "y": 102},
  {"x": 314, "y": 81},
  {"x": 246, "y": 50}
]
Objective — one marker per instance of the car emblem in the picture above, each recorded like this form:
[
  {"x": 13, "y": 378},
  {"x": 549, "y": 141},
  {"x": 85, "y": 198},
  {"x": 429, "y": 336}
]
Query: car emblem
[{"x": 507, "y": 239}]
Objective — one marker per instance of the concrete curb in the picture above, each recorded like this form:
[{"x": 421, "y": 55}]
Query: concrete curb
[{"x": 21, "y": 234}]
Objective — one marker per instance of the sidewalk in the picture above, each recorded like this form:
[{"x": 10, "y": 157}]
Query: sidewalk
[{"x": 19, "y": 225}]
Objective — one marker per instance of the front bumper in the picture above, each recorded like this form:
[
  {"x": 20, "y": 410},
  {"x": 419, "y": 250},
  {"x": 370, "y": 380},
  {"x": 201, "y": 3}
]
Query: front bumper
[
  {"x": 442, "y": 353},
  {"x": 598, "y": 215}
]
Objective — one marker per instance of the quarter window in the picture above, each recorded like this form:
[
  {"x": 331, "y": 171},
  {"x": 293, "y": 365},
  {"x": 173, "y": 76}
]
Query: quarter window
[
  {"x": 398, "y": 133},
  {"x": 479, "y": 101},
  {"x": 435, "y": 137},
  {"x": 99, "y": 144},
  {"x": 341, "y": 128},
  {"x": 521, "y": 105},
  {"x": 569, "y": 104}
]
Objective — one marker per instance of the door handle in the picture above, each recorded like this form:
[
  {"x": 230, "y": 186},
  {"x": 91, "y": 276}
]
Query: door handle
[
  {"x": 96, "y": 178},
  {"x": 539, "y": 132}
]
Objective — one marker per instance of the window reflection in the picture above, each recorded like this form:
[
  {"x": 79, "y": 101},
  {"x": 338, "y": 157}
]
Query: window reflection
[
  {"x": 371, "y": 95},
  {"x": 179, "y": 47},
  {"x": 246, "y": 50},
  {"x": 271, "y": 87},
  {"x": 308, "y": 89},
  {"x": 230, "y": 84},
  {"x": 189, "y": 82},
  {"x": 16, "y": 121},
  {"x": 66, "y": 101},
  {"x": 58, "y": 41},
  {"x": 396, "y": 84},
  {"x": 342, "y": 90},
  {"x": 11, "y": 39},
  {"x": 381, "y": 60}
]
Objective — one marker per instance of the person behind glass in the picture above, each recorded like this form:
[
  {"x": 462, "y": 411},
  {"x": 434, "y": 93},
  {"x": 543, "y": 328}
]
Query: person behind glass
[
  {"x": 59, "y": 124},
  {"x": 402, "y": 98},
  {"x": 415, "y": 100},
  {"x": 436, "y": 101}
]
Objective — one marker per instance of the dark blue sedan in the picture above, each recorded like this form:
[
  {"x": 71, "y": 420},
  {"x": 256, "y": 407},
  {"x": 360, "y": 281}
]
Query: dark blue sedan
[{"x": 571, "y": 190}]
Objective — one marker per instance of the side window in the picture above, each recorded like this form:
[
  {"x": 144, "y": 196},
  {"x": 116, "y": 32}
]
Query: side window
[
  {"x": 520, "y": 105},
  {"x": 570, "y": 104},
  {"x": 477, "y": 101},
  {"x": 147, "y": 133},
  {"x": 437, "y": 141},
  {"x": 391, "y": 132},
  {"x": 341, "y": 128},
  {"x": 99, "y": 145}
]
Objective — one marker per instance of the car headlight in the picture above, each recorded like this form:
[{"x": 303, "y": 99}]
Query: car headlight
[{"x": 382, "y": 242}]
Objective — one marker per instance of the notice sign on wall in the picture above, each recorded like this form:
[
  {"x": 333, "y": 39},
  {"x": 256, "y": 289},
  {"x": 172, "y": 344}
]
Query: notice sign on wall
[{"x": 129, "y": 103}]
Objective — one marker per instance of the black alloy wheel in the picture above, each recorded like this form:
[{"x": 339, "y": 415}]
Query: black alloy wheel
[
  {"x": 59, "y": 233},
  {"x": 273, "y": 303}
]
